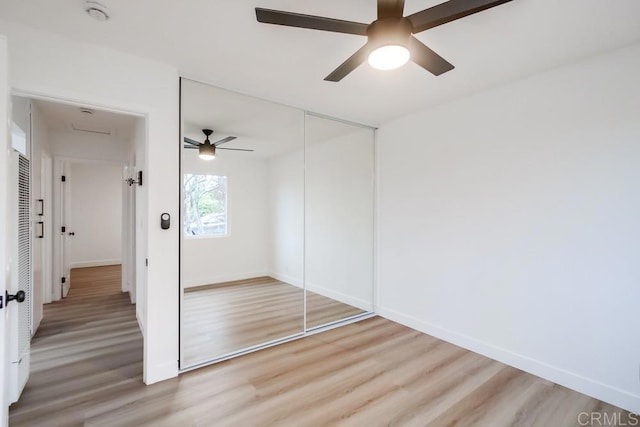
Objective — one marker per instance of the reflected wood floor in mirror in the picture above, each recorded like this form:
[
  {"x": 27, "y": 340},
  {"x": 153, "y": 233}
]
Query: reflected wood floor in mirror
[
  {"x": 230, "y": 316},
  {"x": 87, "y": 367},
  {"x": 322, "y": 310}
]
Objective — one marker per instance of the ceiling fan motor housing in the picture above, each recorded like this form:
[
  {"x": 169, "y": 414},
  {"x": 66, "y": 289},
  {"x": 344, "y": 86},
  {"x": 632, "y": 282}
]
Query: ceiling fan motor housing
[
  {"x": 389, "y": 31},
  {"x": 207, "y": 149}
]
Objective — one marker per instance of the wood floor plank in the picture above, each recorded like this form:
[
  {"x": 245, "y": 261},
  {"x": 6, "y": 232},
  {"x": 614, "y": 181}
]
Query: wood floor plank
[{"x": 88, "y": 359}]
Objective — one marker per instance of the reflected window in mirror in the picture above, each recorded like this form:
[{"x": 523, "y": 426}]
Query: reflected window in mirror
[{"x": 205, "y": 206}]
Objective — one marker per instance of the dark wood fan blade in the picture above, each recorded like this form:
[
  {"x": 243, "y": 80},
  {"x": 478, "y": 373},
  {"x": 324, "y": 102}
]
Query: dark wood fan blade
[
  {"x": 191, "y": 146},
  {"x": 234, "y": 149},
  {"x": 191, "y": 141},
  {"x": 225, "y": 140},
  {"x": 428, "y": 59},
  {"x": 390, "y": 8},
  {"x": 290, "y": 19},
  {"x": 449, "y": 11},
  {"x": 349, "y": 65}
]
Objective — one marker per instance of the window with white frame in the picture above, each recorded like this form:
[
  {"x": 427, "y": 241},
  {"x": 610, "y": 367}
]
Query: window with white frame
[{"x": 205, "y": 205}]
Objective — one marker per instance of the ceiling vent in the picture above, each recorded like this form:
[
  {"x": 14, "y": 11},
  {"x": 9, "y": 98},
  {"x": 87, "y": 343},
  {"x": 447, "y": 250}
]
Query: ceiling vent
[{"x": 98, "y": 130}]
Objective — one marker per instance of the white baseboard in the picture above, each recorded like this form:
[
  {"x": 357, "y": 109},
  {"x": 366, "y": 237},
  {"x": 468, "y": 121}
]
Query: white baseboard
[
  {"x": 190, "y": 283},
  {"x": 161, "y": 372},
  {"x": 94, "y": 263},
  {"x": 35, "y": 326},
  {"x": 579, "y": 383},
  {"x": 140, "y": 324},
  {"x": 339, "y": 296},
  {"x": 297, "y": 282}
]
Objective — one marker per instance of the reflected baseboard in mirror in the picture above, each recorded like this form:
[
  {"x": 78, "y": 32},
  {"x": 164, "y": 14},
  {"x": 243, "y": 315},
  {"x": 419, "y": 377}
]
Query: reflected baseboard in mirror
[{"x": 223, "y": 317}]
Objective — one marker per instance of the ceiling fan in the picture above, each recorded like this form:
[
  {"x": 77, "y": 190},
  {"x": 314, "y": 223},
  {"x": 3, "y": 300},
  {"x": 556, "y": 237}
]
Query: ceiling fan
[
  {"x": 390, "y": 41},
  {"x": 207, "y": 149}
]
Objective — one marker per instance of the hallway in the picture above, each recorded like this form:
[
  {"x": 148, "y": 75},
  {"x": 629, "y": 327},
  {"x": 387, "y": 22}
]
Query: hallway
[{"x": 88, "y": 349}]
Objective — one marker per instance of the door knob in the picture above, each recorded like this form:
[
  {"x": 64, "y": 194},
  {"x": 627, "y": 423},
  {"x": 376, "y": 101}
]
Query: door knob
[
  {"x": 71, "y": 233},
  {"x": 18, "y": 297}
]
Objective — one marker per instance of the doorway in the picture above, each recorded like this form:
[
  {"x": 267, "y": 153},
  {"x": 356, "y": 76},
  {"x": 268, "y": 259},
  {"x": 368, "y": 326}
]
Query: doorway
[
  {"x": 94, "y": 217},
  {"x": 82, "y": 216}
]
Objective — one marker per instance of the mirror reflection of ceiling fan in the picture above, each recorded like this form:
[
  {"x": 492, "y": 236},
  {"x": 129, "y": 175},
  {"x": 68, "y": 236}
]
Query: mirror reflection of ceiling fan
[
  {"x": 207, "y": 149},
  {"x": 390, "y": 41}
]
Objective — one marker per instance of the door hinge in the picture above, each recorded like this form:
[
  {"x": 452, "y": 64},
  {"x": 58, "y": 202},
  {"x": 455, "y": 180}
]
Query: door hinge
[
  {"x": 63, "y": 228},
  {"x": 64, "y": 280},
  {"x": 146, "y": 262},
  {"x": 63, "y": 178}
]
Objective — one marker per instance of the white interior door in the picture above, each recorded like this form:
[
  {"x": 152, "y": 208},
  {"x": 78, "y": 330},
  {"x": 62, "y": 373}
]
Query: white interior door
[
  {"x": 4, "y": 227},
  {"x": 21, "y": 279},
  {"x": 19, "y": 249}
]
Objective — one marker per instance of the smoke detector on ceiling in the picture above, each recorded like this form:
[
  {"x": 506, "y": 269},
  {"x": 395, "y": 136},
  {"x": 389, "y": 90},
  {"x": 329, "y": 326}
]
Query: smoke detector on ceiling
[{"x": 97, "y": 11}]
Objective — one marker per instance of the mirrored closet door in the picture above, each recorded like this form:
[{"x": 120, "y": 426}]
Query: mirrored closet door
[
  {"x": 276, "y": 223},
  {"x": 242, "y": 222},
  {"x": 339, "y": 197}
]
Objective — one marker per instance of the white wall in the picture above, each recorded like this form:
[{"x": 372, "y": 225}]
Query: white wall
[
  {"x": 101, "y": 77},
  {"x": 132, "y": 215},
  {"x": 243, "y": 252},
  {"x": 127, "y": 244},
  {"x": 286, "y": 218},
  {"x": 95, "y": 200},
  {"x": 140, "y": 197},
  {"x": 93, "y": 146},
  {"x": 339, "y": 214},
  {"x": 40, "y": 189},
  {"x": 509, "y": 224}
]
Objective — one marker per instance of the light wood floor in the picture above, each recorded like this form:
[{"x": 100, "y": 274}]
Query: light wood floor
[
  {"x": 322, "y": 310},
  {"x": 371, "y": 373},
  {"x": 227, "y": 317}
]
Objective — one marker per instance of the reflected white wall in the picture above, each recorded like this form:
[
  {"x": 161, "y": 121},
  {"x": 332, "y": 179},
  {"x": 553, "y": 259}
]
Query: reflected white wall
[
  {"x": 339, "y": 212},
  {"x": 243, "y": 252},
  {"x": 286, "y": 219}
]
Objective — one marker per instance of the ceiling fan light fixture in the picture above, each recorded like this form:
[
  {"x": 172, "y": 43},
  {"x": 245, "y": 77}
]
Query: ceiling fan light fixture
[
  {"x": 207, "y": 151},
  {"x": 389, "y": 40},
  {"x": 389, "y": 57}
]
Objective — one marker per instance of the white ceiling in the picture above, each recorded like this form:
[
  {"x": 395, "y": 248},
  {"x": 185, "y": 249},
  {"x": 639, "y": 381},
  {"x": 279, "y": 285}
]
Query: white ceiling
[
  {"x": 69, "y": 118},
  {"x": 268, "y": 128},
  {"x": 219, "y": 41}
]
